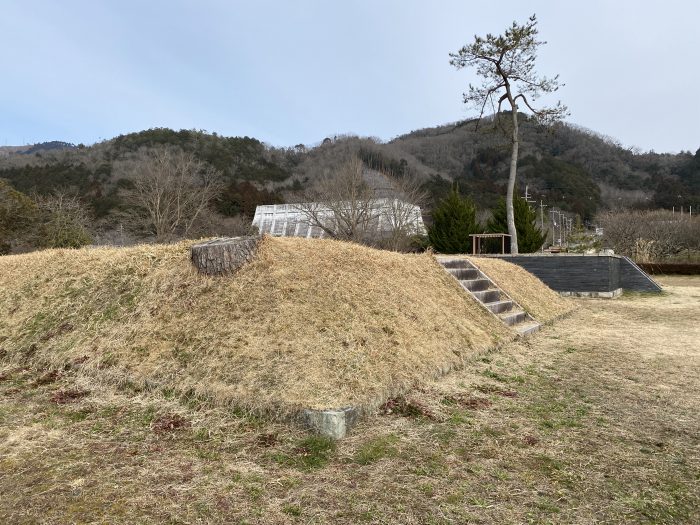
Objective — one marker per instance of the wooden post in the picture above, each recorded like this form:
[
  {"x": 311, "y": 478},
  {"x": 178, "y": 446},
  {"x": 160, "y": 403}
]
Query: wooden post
[{"x": 222, "y": 256}]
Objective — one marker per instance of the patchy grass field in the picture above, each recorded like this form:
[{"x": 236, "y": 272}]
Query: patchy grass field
[{"x": 594, "y": 419}]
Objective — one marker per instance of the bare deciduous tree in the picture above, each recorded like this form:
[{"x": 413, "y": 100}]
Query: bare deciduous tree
[
  {"x": 64, "y": 220},
  {"x": 507, "y": 65},
  {"x": 402, "y": 210},
  {"x": 17, "y": 216},
  {"x": 212, "y": 224},
  {"x": 341, "y": 204},
  {"x": 173, "y": 187},
  {"x": 345, "y": 206},
  {"x": 650, "y": 235}
]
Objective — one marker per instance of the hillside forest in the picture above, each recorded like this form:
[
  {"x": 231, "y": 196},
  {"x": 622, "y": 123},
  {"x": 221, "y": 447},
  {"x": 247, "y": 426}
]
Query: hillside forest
[{"x": 60, "y": 194}]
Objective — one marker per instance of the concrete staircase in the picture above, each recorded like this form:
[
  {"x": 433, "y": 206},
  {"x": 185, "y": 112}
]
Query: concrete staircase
[{"x": 490, "y": 296}]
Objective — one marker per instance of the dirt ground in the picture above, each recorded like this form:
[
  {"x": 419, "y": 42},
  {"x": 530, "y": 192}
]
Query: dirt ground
[{"x": 592, "y": 420}]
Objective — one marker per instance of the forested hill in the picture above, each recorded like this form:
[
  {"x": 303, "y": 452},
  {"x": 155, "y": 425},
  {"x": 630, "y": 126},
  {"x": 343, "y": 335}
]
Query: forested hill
[
  {"x": 100, "y": 173},
  {"x": 566, "y": 166},
  {"x": 569, "y": 166}
]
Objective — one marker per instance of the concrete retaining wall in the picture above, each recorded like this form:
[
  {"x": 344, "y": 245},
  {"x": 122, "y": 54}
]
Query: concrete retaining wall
[
  {"x": 585, "y": 273},
  {"x": 632, "y": 277}
]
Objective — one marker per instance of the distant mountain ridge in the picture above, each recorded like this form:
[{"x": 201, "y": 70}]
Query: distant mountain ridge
[
  {"x": 565, "y": 166},
  {"x": 35, "y": 148}
]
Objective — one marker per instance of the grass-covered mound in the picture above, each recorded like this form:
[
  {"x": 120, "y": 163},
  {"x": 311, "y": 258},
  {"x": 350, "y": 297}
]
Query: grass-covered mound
[
  {"x": 317, "y": 323},
  {"x": 538, "y": 299}
]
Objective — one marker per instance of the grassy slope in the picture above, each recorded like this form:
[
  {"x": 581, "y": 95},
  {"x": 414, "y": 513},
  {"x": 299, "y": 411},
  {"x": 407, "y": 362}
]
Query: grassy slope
[
  {"x": 527, "y": 290},
  {"x": 569, "y": 426},
  {"x": 307, "y": 323}
]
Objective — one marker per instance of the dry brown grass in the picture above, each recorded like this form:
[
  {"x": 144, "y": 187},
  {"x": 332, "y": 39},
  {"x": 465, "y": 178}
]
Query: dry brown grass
[
  {"x": 591, "y": 420},
  {"x": 314, "y": 323},
  {"x": 528, "y": 291}
]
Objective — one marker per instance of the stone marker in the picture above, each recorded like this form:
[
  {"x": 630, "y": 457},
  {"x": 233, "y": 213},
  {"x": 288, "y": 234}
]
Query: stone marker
[
  {"x": 334, "y": 424},
  {"x": 225, "y": 255}
]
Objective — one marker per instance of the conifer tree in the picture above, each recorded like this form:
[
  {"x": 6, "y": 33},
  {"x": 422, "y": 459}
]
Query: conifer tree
[
  {"x": 530, "y": 238},
  {"x": 453, "y": 221}
]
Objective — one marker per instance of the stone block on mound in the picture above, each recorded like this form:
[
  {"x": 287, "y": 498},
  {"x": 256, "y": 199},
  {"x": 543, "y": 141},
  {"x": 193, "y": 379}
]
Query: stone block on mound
[{"x": 225, "y": 255}]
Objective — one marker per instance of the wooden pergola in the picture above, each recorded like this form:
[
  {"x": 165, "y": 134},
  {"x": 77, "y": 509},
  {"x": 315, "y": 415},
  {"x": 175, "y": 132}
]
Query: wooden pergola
[{"x": 476, "y": 241}]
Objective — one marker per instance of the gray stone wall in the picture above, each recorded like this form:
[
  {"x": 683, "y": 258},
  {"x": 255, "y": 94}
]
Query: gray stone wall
[
  {"x": 585, "y": 273},
  {"x": 632, "y": 277}
]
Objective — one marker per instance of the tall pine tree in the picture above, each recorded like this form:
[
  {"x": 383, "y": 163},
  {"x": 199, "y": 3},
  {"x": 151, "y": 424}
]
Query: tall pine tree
[
  {"x": 453, "y": 221},
  {"x": 506, "y": 64},
  {"x": 530, "y": 238}
]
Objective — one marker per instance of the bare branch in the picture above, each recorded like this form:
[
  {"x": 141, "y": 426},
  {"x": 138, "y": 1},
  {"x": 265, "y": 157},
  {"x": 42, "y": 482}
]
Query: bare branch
[{"x": 173, "y": 189}]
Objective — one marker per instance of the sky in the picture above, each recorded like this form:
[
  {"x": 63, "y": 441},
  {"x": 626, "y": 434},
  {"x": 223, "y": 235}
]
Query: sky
[{"x": 296, "y": 72}]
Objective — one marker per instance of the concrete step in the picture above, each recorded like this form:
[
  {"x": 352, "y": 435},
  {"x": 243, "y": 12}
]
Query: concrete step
[
  {"x": 513, "y": 317},
  {"x": 456, "y": 263},
  {"x": 526, "y": 327},
  {"x": 492, "y": 295},
  {"x": 499, "y": 307},
  {"x": 475, "y": 285},
  {"x": 464, "y": 273}
]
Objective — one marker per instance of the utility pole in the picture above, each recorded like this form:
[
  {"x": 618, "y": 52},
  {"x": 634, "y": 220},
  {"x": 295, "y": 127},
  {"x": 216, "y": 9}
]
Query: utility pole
[
  {"x": 554, "y": 224},
  {"x": 527, "y": 197},
  {"x": 560, "y": 225},
  {"x": 561, "y": 231},
  {"x": 557, "y": 218},
  {"x": 565, "y": 224},
  {"x": 542, "y": 207}
]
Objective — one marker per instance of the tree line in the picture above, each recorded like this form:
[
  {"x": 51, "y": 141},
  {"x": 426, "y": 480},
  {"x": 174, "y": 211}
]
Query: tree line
[
  {"x": 652, "y": 235},
  {"x": 116, "y": 202}
]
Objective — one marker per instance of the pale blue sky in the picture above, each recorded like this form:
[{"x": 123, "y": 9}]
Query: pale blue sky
[{"x": 291, "y": 72}]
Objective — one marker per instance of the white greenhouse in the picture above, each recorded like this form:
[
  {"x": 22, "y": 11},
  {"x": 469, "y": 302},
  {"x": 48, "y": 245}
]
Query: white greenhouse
[{"x": 303, "y": 219}]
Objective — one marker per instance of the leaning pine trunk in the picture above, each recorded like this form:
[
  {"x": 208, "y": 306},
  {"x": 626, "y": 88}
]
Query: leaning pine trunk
[{"x": 510, "y": 216}]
